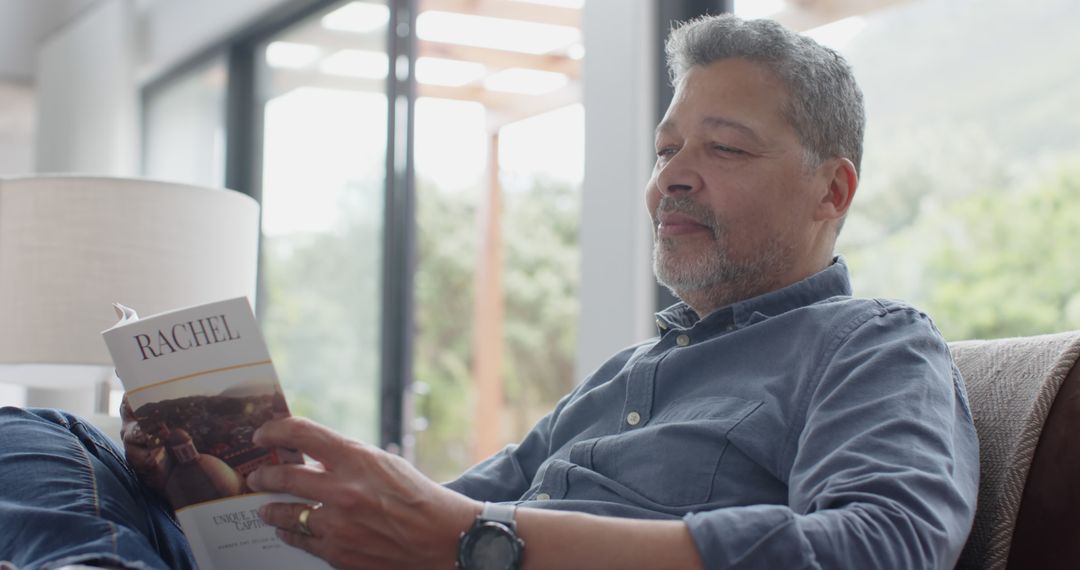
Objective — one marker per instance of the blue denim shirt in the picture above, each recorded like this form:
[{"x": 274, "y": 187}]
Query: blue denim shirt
[{"x": 803, "y": 428}]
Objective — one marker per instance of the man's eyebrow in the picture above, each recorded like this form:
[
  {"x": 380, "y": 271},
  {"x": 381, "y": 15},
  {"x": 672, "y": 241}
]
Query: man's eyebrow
[{"x": 713, "y": 122}]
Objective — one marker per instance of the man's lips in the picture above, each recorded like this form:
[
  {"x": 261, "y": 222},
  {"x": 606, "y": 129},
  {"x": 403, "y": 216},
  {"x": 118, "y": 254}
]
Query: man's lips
[{"x": 675, "y": 224}]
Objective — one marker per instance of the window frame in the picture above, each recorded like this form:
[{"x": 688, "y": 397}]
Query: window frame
[{"x": 243, "y": 172}]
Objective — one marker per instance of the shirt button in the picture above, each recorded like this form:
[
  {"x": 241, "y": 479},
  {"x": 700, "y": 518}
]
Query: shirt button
[
  {"x": 543, "y": 497},
  {"x": 682, "y": 340},
  {"x": 633, "y": 418}
]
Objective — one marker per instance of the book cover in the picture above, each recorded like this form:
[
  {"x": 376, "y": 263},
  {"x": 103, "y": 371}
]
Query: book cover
[{"x": 200, "y": 382}]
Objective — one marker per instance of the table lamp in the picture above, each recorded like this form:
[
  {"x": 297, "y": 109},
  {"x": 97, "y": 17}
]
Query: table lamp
[{"x": 70, "y": 246}]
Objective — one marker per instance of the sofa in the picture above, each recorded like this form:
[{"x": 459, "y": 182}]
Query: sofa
[{"x": 1025, "y": 400}]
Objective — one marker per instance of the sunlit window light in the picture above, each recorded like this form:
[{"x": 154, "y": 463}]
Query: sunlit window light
[
  {"x": 291, "y": 55},
  {"x": 525, "y": 81},
  {"x": 448, "y": 72},
  {"x": 494, "y": 33},
  {"x": 751, "y": 9},
  {"x": 356, "y": 63},
  {"x": 837, "y": 34},
  {"x": 360, "y": 17},
  {"x": 560, "y": 3}
]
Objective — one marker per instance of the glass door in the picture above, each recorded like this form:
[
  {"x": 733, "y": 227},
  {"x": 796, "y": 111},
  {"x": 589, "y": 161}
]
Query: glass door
[{"x": 323, "y": 82}]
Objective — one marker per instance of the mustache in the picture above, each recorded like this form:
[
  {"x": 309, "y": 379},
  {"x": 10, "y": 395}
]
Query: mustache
[{"x": 688, "y": 207}]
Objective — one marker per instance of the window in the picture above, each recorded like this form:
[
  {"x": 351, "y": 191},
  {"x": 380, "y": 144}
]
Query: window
[
  {"x": 323, "y": 81},
  {"x": 498, "y": 146},
  {"x": 184, "y": 126},
  {"x": 969, "y": 200},
  {"x": 499, "y": 150}
]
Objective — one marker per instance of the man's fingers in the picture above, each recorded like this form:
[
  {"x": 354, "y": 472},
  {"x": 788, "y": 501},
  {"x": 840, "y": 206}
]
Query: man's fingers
[
  {"x": 288, "y": 517},
  {"x": 308, "y": 543},
  {"x": 320, "y": 442},
  {"x": 289, "y": 532},
  {"x": 300, "y": 480},
  {"x": 308, "y": 482}
]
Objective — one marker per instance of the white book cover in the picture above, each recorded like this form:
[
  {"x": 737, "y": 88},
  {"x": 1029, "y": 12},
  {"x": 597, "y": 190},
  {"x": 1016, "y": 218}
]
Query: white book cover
[{"x": 200, "y": 382}]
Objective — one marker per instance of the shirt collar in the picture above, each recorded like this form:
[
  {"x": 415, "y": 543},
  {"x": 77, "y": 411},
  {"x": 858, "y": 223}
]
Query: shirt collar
[{"x": 832, "y": 281}]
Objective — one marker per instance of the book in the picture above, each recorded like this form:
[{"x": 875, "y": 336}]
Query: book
[{"x": 200, "y": 381}]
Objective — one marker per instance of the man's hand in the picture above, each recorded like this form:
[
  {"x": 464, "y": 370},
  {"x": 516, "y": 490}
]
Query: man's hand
[
  {"x": 377, "y": 510},
  {"x": 145, "y": 452}
]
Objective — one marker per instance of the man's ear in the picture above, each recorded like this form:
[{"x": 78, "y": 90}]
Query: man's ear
[{"x": 841, "y": 181}]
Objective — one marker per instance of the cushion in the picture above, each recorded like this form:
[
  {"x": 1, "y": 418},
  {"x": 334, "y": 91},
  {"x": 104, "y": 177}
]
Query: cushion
[{"x": 1012, "y": 384}]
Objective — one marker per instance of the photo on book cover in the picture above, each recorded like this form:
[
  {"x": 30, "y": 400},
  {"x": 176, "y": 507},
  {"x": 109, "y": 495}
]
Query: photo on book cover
[{"x": 200, "y": 446}]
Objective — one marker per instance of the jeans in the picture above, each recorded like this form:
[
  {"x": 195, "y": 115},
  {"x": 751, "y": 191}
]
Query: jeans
[{"x": 68, "y": 497}]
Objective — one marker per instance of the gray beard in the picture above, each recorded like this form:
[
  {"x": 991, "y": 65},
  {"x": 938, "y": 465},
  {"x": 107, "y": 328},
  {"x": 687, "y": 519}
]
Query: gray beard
[{"x": 715, "y": 277}]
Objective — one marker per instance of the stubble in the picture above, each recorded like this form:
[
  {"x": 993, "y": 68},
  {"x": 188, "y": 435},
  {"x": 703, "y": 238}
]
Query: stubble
[{"x": 717, "y": 276}]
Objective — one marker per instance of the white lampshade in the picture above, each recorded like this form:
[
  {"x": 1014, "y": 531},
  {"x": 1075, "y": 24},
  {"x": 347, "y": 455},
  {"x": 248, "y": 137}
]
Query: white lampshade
[{"x": 71, "y": 246}]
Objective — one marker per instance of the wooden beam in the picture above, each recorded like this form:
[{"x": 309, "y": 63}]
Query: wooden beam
[
  {"x": 488, "y": 313},
  {"x": 330, "y": 41},
  {"x": 509, "y": 107},
  {"x": 557, "y": 15},
  {"x": 502, "y": 107},
  {"x": 496, "y": 59}
]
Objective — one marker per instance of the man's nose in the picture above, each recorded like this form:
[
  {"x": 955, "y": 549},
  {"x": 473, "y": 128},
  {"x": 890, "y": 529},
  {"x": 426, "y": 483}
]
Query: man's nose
[{"x": 679, "y": 175}]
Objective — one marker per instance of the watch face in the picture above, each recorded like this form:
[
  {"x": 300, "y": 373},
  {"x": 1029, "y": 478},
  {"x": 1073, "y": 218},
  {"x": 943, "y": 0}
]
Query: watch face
[{"x": 492, "y": 547}]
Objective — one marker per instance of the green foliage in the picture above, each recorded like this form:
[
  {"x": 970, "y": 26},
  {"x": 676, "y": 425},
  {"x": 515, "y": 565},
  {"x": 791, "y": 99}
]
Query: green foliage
[
  {"x": 447, "y": 241},
  {"x": 322, "y": 316},
  {"x": 541, "y": 283},
  {"x": 540, "y": 286},
  {"x": 996, "y": 260},
  {"x": 1008, "y": 266}
]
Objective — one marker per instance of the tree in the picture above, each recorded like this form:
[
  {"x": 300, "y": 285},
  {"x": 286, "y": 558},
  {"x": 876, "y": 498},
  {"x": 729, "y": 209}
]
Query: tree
[
  {"x": 1008, "y": 267},
  {"x": 541, "y": 279}
]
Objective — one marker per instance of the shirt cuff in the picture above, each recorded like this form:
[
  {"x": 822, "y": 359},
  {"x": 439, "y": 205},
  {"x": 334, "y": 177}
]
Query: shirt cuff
[{"x": 755, "y": 536}]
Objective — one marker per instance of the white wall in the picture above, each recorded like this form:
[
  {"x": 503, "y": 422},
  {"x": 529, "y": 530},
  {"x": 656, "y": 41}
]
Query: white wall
[
  {"x": 88, "y": 74},
  {"x": 88, "y": 105},
  {"x": 175, "y": 30},
  {"x": 16, "y": 129},
  {"x": 617, "y": 287},
  {"x": 23, "y": 23}
]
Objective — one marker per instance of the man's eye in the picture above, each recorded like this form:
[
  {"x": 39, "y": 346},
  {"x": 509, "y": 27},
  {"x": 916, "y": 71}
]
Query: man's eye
[
  {"x": 727, "y": 149},
  {"x": 667, "y": 151}
]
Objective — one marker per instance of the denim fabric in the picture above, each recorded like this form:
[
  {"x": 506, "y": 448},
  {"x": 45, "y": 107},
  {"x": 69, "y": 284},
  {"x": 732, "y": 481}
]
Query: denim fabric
[
  {"x": 803, "y": 428},
  {"x": 68, "y": 497}
]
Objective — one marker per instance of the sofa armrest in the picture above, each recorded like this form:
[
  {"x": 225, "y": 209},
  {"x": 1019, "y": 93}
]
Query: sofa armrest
[{"x": 1047, "y": 533}]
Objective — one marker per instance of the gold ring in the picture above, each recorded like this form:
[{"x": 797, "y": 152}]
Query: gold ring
[{"x": 302, "y": 520}]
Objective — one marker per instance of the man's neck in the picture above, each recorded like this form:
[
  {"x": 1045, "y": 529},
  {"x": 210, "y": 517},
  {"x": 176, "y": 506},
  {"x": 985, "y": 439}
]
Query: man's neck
[{"x": 707, "y": 300}]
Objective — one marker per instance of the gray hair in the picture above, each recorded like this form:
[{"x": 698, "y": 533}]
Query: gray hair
[{"x": 825, "y": 104}]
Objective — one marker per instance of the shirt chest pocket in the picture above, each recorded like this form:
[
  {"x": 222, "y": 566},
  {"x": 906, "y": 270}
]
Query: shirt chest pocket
[{"x": 673, "y": 459}]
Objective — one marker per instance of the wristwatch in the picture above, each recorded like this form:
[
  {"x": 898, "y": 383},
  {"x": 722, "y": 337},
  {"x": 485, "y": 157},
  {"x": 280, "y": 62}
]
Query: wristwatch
[{"x": 491, "y": 543}]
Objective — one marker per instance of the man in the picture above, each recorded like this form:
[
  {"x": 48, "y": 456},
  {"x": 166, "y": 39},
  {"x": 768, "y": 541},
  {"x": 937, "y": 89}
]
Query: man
[{"x": 776, "y": 422}]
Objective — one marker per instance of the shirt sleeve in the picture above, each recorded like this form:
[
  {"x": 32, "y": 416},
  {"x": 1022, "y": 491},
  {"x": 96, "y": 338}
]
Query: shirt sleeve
[
  {"x": 506, "y": 476},
  {"x": 884, "y": 470}
]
